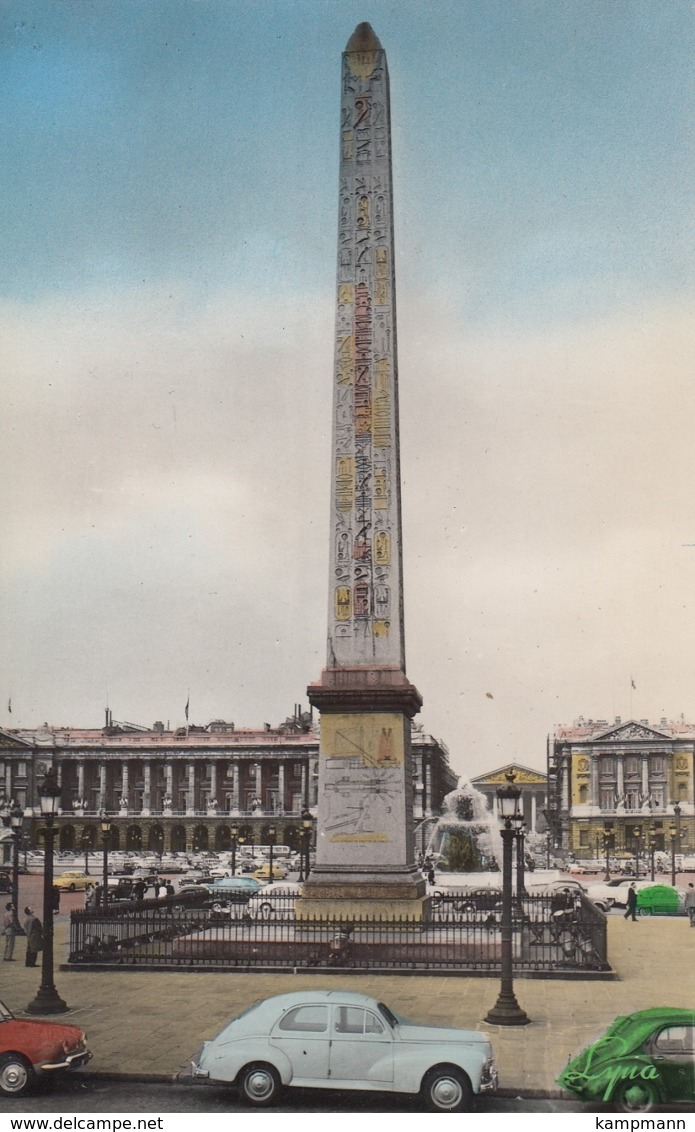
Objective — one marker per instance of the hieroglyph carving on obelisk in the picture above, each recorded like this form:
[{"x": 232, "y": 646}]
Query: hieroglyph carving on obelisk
[{"x": 365, "y": 617}]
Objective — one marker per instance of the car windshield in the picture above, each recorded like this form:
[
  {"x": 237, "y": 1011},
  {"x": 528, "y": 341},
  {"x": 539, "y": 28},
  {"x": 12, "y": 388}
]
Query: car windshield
[
  {"x": 392, "y": 1019},
  {"x": 5, "y": 1014}
]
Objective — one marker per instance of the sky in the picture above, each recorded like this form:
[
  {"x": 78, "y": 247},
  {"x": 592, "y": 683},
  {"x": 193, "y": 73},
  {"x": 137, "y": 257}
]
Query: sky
[{"x": 167, "y": 268}]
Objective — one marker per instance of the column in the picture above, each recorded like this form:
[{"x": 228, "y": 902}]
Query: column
[
  {"x": 303, "y": 786},
  {"x": 102, "y": 786},
  {"x": 169, "y": 780},
  {"x": 80, "y": 779},
  {"x": 645, "y": 776},
  {"x": 620, "y": 777},
  {"x": 125, "y": 785},
  {"x": 213, "y": 779},
  {"x": 258, "y": 787},
  {"x": 147, "y": 781},
  {"x": 595, "y": 792},
  {"x": 190, "y": 788},
  {"x": 235, "y": 788},
  {"x": 533, "y": 812},
  {"x": 281, "y": 787},
  {"x": 566, "y": 782}
]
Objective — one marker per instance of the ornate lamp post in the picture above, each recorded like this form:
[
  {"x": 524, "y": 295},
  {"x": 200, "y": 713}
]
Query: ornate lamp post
[
  {"x": 673, "y": 833},
  {"x": 47, "y": 1000},
  {"x": 16, "y": 821},
  {"x": 607, "y": 846},
  {"x": 271, "y": 843},
  {"x": 304, "y": 866},
  {"x": 105, "y": 831},
  {"x": 637, "y": 833},
  {"x": 520, "y": 880},
  {"x": 234, "y": 838},
  {"x": 652, "y": 851},
  {"x": 506, "y": 1011}
]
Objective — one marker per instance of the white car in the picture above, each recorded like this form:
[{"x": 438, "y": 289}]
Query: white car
[
  {"x": 611, "y": 892},
  {"x": 337, "y": 1039},
  {"x": 274, "y": 901}
]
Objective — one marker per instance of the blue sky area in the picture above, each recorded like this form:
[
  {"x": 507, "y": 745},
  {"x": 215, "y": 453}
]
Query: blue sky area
[{"x": 167, "y": 261}]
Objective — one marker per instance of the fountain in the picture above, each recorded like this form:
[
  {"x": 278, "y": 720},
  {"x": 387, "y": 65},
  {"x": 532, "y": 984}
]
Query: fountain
[{"x": 466, "y": 838}]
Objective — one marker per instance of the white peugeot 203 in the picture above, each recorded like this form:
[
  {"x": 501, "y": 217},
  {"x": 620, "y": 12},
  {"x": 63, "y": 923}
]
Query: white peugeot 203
[{"x": 335, "y": 1039}]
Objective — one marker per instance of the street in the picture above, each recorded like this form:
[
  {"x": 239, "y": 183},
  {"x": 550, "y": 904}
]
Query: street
[{"x": 85, "y": 1093}]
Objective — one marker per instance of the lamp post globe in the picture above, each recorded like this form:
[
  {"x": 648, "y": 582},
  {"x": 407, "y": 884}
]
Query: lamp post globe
[
  {"x": 506, "y": 1011},
  {"x": 47, "y": 1000}
]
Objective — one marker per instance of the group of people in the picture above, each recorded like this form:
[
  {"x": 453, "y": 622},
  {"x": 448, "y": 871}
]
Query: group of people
[{"x": 33, "y": 930}]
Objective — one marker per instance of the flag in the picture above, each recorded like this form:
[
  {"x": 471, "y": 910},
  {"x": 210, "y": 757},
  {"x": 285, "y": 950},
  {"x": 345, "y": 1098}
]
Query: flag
[
  {"x": 632, "y": 682},
  {"x": 9, "y": 705},
  {"x": 188, "y": 701}
]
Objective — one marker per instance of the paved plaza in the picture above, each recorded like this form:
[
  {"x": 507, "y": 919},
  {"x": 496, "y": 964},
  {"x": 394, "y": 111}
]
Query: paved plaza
[{"x": 149, "y": 1025}]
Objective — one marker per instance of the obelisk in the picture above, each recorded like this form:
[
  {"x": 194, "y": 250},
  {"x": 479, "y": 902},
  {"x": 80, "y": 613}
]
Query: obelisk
[{"x": 365, "y": 844}]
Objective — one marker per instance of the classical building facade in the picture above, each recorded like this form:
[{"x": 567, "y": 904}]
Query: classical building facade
[
  {"x": 533, "y": 785},
  {"x": 629, "y": 781},
  {"x": 183, "y": 790}
]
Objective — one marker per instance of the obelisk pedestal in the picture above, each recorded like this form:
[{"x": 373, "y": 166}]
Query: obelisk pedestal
[{"x": 365, "y": 842}]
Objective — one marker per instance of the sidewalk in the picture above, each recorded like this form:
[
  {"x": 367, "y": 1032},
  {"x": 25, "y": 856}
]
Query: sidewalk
[{"x": 147, "y": 1024}]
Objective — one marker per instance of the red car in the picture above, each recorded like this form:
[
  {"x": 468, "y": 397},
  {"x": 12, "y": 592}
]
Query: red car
[{"x": 30, "y": 1048}]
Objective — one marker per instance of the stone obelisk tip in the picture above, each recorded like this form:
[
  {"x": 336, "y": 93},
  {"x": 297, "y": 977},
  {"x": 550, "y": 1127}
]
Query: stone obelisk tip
[{"x": 363, "y": 39}]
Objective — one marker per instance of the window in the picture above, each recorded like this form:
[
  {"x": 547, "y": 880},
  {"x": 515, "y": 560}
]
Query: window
[
  {"x": 657, "y": 764},
  {"x": 354, "y": 1020},
  {"x": 607, "y": 799},
  {"x": 608, "y": 767},
  {"x": 21, "y": 770},
  {"x": 306, "y": 1020},
  {"x": 297, "y": 770},
  {"x": 631, "y": 766},
  {"x": 676, "y": 1039}
]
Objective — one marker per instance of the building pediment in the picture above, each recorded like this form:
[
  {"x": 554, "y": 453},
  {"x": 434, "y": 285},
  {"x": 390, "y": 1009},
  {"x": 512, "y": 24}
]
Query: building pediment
[
  {"x": 9, "y": 742},
  {"x": 523, "y": 776},
  {"x": 631, "y": 732}
]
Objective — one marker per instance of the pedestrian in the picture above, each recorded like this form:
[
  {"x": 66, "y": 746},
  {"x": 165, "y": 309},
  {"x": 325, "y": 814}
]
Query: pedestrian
[
  {"x": 690, "y": 904},
  {"x": 171, "y": 891},
  {"x": 161, "y": 889},
  {"x": 631, "y": 907},
  {"x": 34, "y": 933},
  {"x": 55, "y": 896},
  {"x": 430, "y": 875},
  {"x": 9, "y": 930},
  {"x": 139, "y": 890}
]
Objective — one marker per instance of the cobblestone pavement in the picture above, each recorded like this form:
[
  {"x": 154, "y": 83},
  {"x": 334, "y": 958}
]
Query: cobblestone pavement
[{"x": 150, "y": 1024}]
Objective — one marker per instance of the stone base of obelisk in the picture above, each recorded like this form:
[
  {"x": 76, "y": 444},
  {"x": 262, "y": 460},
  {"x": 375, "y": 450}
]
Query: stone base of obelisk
[
  {"x": 365, "y": 866},
  {"x": 330, "y": 897}
]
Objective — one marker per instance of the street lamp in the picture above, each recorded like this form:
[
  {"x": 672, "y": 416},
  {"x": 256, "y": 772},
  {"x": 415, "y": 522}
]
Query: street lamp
[
  {"x": 305, "y": 848},
  {"x": 506, "y": 1011},
  {"x": 673, "y": 833},
  {"x": 652, "y": 852},
  {"x": 637, "y": 833},
  {"x": 105, "y": 831},
  {"x": 234, "y": 839},
  {"x": 520, "y": 836},
  {"x": 607, "y": 846},
  {"x": 16, "y": 821},
  {"x": 271, "y": 842},
  {"x": 47, "y": 1000}
]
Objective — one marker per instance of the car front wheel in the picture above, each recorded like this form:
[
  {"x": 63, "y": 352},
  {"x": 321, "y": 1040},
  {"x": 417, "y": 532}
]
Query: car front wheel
[
  {"x": 447, "y": 1089},
  {"x": 16, "y": 1075},
  {"x": 635, "y": 1096},
  {"x": 260, "y": 1084}
]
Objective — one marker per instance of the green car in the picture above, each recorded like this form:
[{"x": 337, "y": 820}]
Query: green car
[
  {"x": 659, "y": 900},
  {"x": 642, "y": 1060}
]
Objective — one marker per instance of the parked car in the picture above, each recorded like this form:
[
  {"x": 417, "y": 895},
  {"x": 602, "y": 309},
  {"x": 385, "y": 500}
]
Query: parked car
[
  {"x": 336, "y": 1039},
  {"x": 222, "y": 886},
  {"x": 263, "y": 872},
  {"x": 74, "y": 880},
  {"x": 30, "y": 1048},
  {"x": 642, "y": 1060},
  {"x": 609, "y": 892},
  {"x": 275, "y": 901}
]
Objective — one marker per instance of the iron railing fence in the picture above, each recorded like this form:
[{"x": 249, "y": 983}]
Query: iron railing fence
[{"x": 460, "y": 934}]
